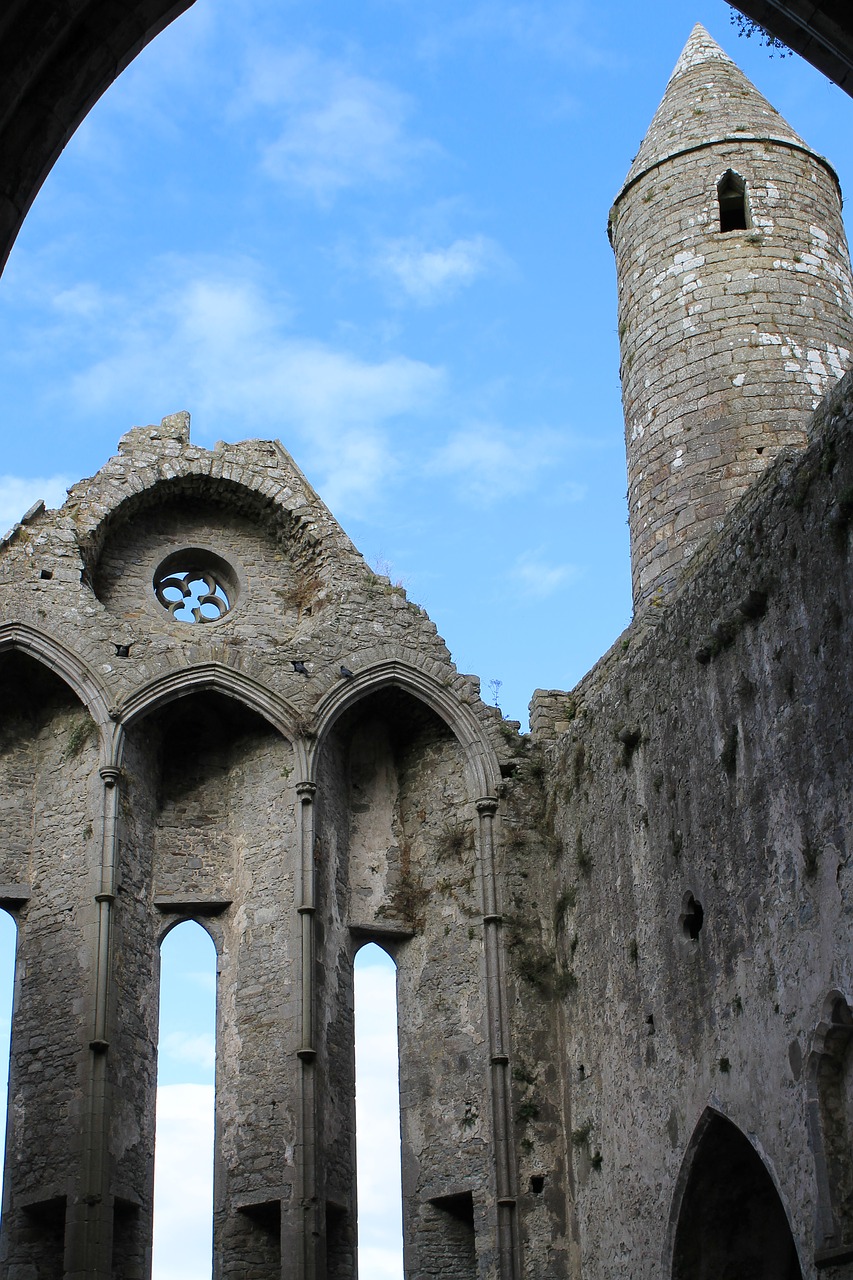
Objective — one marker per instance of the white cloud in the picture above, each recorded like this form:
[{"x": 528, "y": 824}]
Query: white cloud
[
  {"x": 335, "y": 128},
  {"x": 183, "y": 1171},
  {"x": 211, "y": 339},
  {"x": 19, "y": 493},
  {"x": 205, "y": 979},
  {"x": 431, "y": 275},
  {"x": 491, "y": 463},
  {"x": 536, "y": 579},
  {"x": 83, "y": 301},
  {"x": 182, "y": 1046},
  {"x": 183, "y": 1183}
]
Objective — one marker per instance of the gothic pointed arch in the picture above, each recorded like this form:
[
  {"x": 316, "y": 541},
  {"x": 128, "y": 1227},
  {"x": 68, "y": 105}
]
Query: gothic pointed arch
[
  {"x": 733, "y": 202},
  {"x": 405, "y": 777},
  {"x": 727, "y": 1219},
  {"x": 219, "y": 678},
  {"x": 58, "y": 658},
  {"x": 480, "y": 759}
]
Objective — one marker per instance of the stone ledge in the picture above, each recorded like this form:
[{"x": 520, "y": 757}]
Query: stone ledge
[
  {"x": 383, "y": 929},
  {"x": 190, "y": 904},
  {"x": 15, "y": 895}
]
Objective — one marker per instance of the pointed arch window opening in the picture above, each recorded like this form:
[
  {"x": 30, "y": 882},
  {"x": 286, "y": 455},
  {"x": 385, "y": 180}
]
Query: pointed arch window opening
[
  {"x": 183, "y": 1153},
  {"x": 8, "y": 948},
  {"x": 733, "y": 202},
  {"x": 377, "y": 1084}
]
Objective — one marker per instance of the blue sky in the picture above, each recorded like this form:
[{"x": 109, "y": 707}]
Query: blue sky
[{"x": 376, "y": 231}]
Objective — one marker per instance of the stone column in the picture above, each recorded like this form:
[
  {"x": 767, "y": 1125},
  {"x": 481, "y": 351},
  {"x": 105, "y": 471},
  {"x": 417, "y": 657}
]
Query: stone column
[
  {"x": 89, "y": 1222},
  {"x": 509, "y": 1268},
  {"x": 308, "y": 1253}
]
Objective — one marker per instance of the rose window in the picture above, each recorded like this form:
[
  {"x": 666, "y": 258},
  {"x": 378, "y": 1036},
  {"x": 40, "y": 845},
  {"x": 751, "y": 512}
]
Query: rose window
[{"x": 198, "y": 587}]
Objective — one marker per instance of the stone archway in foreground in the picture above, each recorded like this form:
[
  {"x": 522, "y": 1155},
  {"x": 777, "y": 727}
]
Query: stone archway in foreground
[{"x": 56, "y": 60}]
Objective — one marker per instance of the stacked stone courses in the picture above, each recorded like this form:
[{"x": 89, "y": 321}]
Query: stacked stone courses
[
  {"x": 624, "y": 942},
  {"x": 729, "y": 339},
  {"x": 304, "y": 773}
]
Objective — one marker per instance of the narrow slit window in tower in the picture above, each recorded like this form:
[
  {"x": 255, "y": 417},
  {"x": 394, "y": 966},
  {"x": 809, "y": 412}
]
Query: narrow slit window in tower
[
  {"x": 183, "y": 1165},
  {"x": 731, "y": 194},
  {"x": 377, "y": 1087}
]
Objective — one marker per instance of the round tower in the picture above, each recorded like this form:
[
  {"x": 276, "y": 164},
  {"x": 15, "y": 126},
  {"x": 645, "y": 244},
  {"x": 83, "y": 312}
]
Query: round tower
[{"x": 735, "y": 304}]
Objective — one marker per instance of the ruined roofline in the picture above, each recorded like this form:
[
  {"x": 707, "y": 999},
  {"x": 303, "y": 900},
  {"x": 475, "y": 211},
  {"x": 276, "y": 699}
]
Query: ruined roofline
[{"x": 158, "y": 463}]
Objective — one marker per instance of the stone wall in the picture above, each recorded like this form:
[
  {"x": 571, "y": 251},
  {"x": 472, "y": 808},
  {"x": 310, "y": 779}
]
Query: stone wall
[
  {"x": 707, "y": 764},
  {"x": 729, "y": 338},
  {"x": 622, "y": 943},
  {"x": 300, "y": 773},
  {"x": 49, "y": 748}
]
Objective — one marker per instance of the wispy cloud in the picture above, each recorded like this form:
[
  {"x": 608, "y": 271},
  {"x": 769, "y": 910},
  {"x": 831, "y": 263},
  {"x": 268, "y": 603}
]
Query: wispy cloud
[
  {"x": 211, "y": 338},
  {"x": 431, "y": 275},
  {"x": 182, "y": 1046},
  {"x": 169, "y": 80},
  {"x": 557, "y": 30},
  {"x": 18, "y": 493},
  {"x": 537, "y": 579},
  {"x": 331, "y": 127},
  {"x": 491, "y": 463}
]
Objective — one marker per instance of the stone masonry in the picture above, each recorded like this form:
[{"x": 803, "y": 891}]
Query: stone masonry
[
  {"x": 623, "y": 942},
  {"x": 730, "y": 338}
]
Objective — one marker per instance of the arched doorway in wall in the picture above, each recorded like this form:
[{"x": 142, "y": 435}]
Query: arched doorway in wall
[
  {"x": 183, "y": 1163},
  {"x": 377, "y": 1110},
  {"x": 8, "y": 944},
  {"x": 731, "y": 1222}
]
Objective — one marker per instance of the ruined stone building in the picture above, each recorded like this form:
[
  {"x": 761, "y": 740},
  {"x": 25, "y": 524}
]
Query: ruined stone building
[{"x": 623, "y": 942}]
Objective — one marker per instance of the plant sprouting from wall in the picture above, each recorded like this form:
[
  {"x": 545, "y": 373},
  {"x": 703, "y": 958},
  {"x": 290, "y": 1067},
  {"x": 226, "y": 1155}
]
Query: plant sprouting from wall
[
  {"x": 81, "y": 731},
  {"x": 454, "y": 840}
]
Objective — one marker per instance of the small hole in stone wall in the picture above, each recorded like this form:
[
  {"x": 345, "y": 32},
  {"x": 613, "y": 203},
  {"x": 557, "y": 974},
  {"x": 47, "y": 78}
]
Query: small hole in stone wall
[
  {"x": 650, "y": 1024},
  {"x": 46, "y": 574},
  {"x": 581, "y": 1072},
  {"x": 761, "y": 450},
  {"x": 692, "y": 917},
  {"x": 537, "y": 1183},
  {"x": 122, "y": 650}
]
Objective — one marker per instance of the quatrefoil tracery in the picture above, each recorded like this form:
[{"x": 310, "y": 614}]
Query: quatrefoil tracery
[{"x": 192, "y": 595}]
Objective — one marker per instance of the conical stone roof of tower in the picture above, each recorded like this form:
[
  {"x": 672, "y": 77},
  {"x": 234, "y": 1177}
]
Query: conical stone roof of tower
[{"x": 708, "y": 99}]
